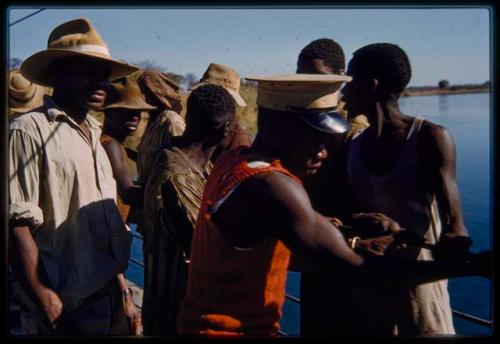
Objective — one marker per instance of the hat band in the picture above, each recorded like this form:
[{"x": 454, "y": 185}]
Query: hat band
[{"x": 89, "y": 48}]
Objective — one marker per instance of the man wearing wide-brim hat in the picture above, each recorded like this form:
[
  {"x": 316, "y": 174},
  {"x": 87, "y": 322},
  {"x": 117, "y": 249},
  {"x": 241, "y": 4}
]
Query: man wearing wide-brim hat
[
  {"x": 227, "y": 77},
  {"x": 69, "y": 241},
  {"x": 122, "y": 116},
  {"x": 255, "y": 212}
]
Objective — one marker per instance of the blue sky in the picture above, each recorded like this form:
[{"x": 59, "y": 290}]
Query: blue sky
[{"x": 442, "y": 43}]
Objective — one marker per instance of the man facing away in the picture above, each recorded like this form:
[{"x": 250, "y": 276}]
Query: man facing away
[
  {"x": 173, "y": 197},
  {"x": 255, "y": 211},
  {"x": 404, "y": 167},
  {"x": 68, "y": 242},
  {"x": 227, "y": 77},
  {"x": 164, "y": 121},
  {"x": 122, "y": 114}
]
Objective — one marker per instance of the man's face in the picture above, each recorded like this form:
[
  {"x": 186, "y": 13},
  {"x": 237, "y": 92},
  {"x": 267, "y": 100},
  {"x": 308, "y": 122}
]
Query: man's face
[
  {"x": 314, "y": 66},
  {"x": 83, "y": 81},
  {"x": 123, "y": 122},
  {"x": 306, "y": 149},
  {"x": 357, "y": 94}
]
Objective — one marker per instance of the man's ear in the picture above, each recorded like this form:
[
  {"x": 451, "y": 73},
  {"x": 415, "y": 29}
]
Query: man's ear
[{"x": 227, "y": 127}]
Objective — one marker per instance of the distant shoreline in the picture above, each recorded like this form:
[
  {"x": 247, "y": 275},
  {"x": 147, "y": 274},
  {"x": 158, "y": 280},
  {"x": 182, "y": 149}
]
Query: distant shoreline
[{"x": 433, "y": 91}]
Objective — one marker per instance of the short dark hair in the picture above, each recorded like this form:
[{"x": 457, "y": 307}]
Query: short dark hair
[
  {"x": 327, "y": 50},
  {"x": 211, "y": 101},
  {"x": 385, "y": 62}
]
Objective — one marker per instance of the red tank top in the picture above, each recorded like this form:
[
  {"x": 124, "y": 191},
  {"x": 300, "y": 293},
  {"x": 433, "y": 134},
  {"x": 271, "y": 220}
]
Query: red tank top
[{"x": 233, "y": 291}]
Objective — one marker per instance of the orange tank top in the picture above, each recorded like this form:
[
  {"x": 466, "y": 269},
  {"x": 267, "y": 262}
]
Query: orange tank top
[{"x": 231, "y": 291}]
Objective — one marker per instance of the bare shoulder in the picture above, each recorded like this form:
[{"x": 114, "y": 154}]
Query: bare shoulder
[
  {"x": 437, "y": 147},
  {"x": 435, "y": 134}
]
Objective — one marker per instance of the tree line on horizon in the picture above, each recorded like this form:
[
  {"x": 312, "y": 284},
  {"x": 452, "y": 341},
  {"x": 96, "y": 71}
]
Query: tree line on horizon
[{"x": 187, "y": 80}]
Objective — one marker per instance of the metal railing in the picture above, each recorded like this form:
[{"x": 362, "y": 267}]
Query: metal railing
[{"x": 458, "y": 314}]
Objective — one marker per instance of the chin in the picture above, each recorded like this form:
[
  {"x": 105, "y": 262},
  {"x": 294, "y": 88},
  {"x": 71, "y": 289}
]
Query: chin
[
  {"x": 311, "y": 172},
  {"x": 94, "y": 106}
]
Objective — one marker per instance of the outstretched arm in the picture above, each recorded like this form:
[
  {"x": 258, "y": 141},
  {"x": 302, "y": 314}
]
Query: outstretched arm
[{"x": 318, "y": 241}]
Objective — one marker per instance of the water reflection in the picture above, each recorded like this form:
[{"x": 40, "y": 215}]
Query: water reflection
[{"x": 444, "y": 104}]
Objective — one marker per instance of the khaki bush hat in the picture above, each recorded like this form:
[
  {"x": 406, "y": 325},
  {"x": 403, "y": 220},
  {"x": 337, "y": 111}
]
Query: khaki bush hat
[
  {"x": 73, "y": 38},
  {"x": 126, "y": 94},
  {"x": 225, "y": 76},
  {"x": 165, "y": 90},
  {"x": 314, "y": 97},
  {"x": 23, "y": 94}
]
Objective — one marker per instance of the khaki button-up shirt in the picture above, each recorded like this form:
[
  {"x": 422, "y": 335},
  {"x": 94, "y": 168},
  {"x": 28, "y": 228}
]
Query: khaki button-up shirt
[{"x": 62, "y": 184}]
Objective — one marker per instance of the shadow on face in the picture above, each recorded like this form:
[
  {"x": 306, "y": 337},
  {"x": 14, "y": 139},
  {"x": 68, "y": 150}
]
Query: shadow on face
[
  {"x": 81, "y": 81},
  {"x": 122, "y": 122},
  {"x": 301, "y": 148}
]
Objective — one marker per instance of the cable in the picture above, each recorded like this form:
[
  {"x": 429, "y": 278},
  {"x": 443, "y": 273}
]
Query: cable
[{"x": 29, "y": 15}]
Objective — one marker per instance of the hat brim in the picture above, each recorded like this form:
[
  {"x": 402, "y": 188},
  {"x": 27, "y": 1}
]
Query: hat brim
[
  {"x": 35, "y": 68},
  {"x": 328, "y": 122},
  {"x": 131, "y": 105},
  {"x": 35, "y": 101},
  {"x": 236, "y": 96},
  {"x": 302, "y": 78}
]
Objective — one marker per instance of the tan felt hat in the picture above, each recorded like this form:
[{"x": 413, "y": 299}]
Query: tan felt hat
[
  {"x": 165, "y": 90},
  {"x": 314, "y": 97},
  {"x": 126, "y": 94},
  {"x": 225, "y": 76},
  {"x": 74, "y": 38},
  {"x": 23, "y": 94}
]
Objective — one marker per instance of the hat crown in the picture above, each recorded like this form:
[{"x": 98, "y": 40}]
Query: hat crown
[
  {"x": 23, "y": 94},
  {"x": 299, "y": 91},
  {"x": 125, "y": 93},
  {"x": 222, "y": 75},
  {"x": 126, "y": 89},
  {"x": 74, "y": 33},
  {"x": 20, "y": 88}
]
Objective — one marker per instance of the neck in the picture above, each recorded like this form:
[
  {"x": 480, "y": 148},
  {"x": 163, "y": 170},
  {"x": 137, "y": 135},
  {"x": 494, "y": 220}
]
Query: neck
[
  {"x": 107, "y": 131},
  {"x": 385, "y": 115},
  {"x": 198, "y": 152},
  {"x": 153, "y": 114},
  {"x": 76, "y": 112}
]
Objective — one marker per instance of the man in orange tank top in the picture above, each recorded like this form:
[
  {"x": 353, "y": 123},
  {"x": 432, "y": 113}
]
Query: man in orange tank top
[{"x": 255, "y": 211}]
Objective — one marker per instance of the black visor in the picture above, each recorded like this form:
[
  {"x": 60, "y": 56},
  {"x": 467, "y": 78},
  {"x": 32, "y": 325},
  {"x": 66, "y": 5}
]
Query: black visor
[{"x": 331, "y": 122}]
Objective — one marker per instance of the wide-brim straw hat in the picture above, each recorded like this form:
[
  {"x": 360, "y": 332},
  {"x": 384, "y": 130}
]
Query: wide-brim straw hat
[
  {"x": 74, "y": 38},
  {"x": 23, "y": 94},
  {"x": 225, "y": 76},
  {"x": 126, "y": 94},
  {"x": 312, "y": 97}
]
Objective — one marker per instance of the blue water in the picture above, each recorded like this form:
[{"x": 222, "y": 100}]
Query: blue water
[{"x": 467, "y": 117}]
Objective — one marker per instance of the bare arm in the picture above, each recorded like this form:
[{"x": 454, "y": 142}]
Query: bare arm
[
  {"x": 29, "y": 258},
  {"x": 25, "y": 214},
  {"x": 439, "y": 162},
  {"x": 284, "y": 211},
  {"x": 129, "y": 192}
]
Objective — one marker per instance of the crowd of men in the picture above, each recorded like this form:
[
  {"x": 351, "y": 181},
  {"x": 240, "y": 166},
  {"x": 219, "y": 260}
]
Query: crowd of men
[{"x": 338, "y": 183}]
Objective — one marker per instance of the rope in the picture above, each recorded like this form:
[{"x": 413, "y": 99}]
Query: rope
[{"x": 29, "y": 15}]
